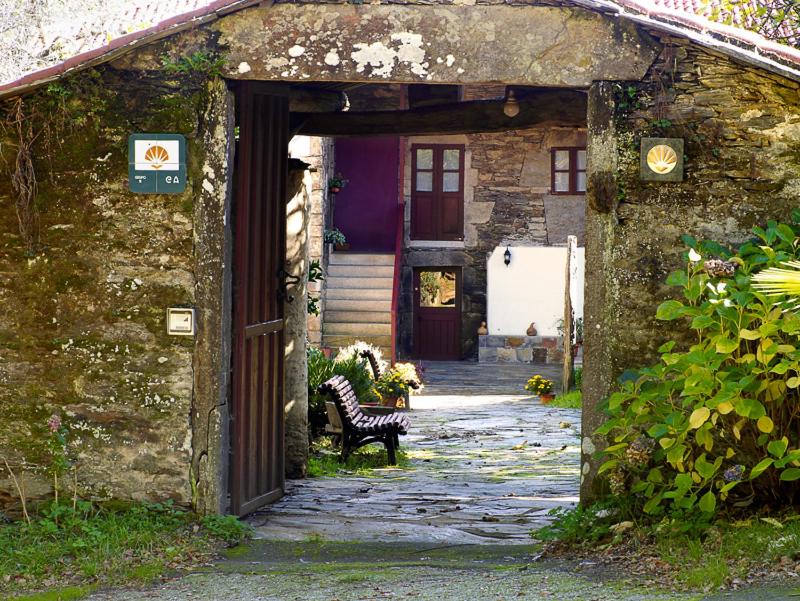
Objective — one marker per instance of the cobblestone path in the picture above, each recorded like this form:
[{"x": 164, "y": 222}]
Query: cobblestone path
[{"x": 486, "y": 467}]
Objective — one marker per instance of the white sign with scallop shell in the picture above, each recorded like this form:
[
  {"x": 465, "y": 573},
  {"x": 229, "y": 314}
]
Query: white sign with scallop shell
[{"x": 155, "y": 155}]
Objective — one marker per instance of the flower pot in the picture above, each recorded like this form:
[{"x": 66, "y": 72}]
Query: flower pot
[
  {"x": 546, "y": 398},
  {"x": 345, "y": 246},
  {"x": 335, "y": 189}
]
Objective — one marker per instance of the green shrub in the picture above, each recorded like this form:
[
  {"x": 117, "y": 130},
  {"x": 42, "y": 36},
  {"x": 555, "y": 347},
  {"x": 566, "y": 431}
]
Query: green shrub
[
  {"x": 581, "y": 524},
  {"x": 716, "y": 425},
  {"x": 320, "y": 369},
  {"x": 577, "y": 375},
  {"x": 359, "y": 374},
  {"x": 227, "y": 528},
  {"x": 572, "y": 400}
]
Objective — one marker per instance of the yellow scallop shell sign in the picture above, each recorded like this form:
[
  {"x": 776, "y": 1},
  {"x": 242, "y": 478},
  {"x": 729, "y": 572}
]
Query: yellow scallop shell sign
[
  {"x": 662, "y": 159},
  {"x": 157, "y": 156}
]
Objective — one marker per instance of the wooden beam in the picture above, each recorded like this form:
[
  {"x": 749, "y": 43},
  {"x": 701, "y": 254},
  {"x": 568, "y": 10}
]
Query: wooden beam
[{"x": 548, "y": 106}]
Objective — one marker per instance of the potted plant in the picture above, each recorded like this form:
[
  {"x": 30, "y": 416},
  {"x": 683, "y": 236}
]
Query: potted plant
[
  {"x": 393, "y": 388},
  {"x": 336, "y": 183},
  {"x": 542, "y": 387},
  {"x": 335, "y": 238}
]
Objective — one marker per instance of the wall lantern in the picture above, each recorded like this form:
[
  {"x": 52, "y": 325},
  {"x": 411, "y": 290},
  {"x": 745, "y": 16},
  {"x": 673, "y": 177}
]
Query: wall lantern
[
  {"x": 507, "y": 257},
  {"x": 511, "y": 105},
  {"x": 661, "y": 160}
]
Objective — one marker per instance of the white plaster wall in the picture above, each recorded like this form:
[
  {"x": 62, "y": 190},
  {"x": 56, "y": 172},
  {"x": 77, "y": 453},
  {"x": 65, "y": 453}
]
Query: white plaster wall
[{"x": 531, "y": 289}]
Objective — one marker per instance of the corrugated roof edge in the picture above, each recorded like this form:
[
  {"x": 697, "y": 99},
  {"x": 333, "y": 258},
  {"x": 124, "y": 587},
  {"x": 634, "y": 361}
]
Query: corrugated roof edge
[{"x": 741, "y": 44}]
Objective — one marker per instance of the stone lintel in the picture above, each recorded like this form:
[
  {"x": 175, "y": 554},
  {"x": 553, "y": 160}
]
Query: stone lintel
[{"x": 524, "y": 45}]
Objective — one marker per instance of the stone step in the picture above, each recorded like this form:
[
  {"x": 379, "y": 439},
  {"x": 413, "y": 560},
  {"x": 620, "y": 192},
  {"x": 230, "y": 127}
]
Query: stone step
[
  {"x": 357, "y": 317},
  {"x": 343, "y": 304},
  {"x": 360, "y": 271},
  {"x": 335, "y": 341},
  {"x": 361, "y": 283},
  {"x": 361, "y": 294},
  {"x": 345, "y": 258},
  {"x": 357, "y": 329}
]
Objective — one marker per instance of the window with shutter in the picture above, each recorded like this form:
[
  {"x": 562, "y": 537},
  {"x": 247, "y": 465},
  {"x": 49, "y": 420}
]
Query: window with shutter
[{"x": 437, "y": 192}]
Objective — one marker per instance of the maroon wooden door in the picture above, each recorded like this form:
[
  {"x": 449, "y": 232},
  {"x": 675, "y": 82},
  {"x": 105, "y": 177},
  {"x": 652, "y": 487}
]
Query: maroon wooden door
[
  {"x": 437, "y": 313},
  {"x": 366, "y": 208},
  {"x": 259, "y": 254}
]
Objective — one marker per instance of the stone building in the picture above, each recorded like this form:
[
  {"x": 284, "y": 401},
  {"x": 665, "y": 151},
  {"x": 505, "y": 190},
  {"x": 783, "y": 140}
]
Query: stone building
[
  {"x": 509, "y": 199},
  {"x": 90, "y": 267}
]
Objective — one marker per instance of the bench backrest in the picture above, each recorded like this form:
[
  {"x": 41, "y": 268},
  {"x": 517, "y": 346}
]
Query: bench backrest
[
  {"x": 340, "y": 391},
  {"x": 373, "y": 363}
]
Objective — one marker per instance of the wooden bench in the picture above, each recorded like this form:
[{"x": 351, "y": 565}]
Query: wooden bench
[{"x": 358, "y": 428}]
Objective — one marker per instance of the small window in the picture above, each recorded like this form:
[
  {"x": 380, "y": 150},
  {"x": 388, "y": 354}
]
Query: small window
[
  {"x": 437, "y": 192},
  {"x": 568, "y": 171},
  {"x": 437, "y": 289}
]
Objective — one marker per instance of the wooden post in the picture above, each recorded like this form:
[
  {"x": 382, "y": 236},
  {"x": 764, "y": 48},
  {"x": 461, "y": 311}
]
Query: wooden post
[{"x": 566, "y": 375}]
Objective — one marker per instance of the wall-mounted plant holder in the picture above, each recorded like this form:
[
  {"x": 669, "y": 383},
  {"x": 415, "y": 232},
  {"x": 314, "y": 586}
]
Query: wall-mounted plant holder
[{"x": 661, "y": 160}]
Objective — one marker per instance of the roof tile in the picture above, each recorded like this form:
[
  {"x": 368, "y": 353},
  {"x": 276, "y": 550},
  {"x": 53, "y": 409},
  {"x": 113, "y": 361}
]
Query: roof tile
[{"x": 92, "y": 39}]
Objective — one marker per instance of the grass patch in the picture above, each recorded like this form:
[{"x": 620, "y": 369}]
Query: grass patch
[
  {"x": 65, "y": 553},
  {"x": 324, "y": 460},
  {"x": 572, "y": 400},
  {"x": 70, "y": 593},
  {"x": 729, "y": 551},
  {"x": 755, "y": 550}
]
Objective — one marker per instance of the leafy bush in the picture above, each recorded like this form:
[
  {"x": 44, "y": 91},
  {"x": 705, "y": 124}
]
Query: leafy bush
[
  {"x": 716, "y": 425},
  {"x": 577, "y": 375},
  {"x": 572, "y": 400},
  {"x": 581, "y": 524},
  {"x": 359, "y": 374},
  {"x": 320, "y": 369}
]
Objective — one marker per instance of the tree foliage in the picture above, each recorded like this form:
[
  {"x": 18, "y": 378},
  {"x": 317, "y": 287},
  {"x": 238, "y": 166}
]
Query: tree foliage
[{"x": 777, "y": 20}]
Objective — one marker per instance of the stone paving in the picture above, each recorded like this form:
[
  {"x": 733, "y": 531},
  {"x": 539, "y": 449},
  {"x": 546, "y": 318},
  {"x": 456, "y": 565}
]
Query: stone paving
[{"x": 488, "y": 462}]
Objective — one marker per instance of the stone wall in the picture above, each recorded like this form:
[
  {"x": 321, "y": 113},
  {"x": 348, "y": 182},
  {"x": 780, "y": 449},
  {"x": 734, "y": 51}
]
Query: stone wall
[
  {"x": 85, "y": 289},
  {"x": 318, "y": 153},
  {"x": 506, "y": 201},
  {"x": 741, "y": 129}
]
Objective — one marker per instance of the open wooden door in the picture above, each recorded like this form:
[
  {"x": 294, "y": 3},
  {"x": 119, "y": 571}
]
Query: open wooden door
[
  {"x": 257, "y": 472},
  {"x": 437, "y": 313}
]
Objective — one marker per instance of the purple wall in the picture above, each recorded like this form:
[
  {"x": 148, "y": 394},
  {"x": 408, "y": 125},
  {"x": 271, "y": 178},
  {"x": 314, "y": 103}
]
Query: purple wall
[{"x": 366, "y": 208}]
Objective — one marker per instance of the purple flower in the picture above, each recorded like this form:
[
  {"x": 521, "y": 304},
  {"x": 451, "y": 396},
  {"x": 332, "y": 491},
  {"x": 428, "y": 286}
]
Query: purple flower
[
  {"x": 733, "y": 474},
  {"x": 54, "y": 423}
]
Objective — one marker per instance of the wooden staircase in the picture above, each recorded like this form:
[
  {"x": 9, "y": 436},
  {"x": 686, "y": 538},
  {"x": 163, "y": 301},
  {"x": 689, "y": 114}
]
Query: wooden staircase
[{"x": 358, "y": 300}]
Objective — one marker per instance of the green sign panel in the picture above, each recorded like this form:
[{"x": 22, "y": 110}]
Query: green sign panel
[{"x": 156, "y": 163}]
